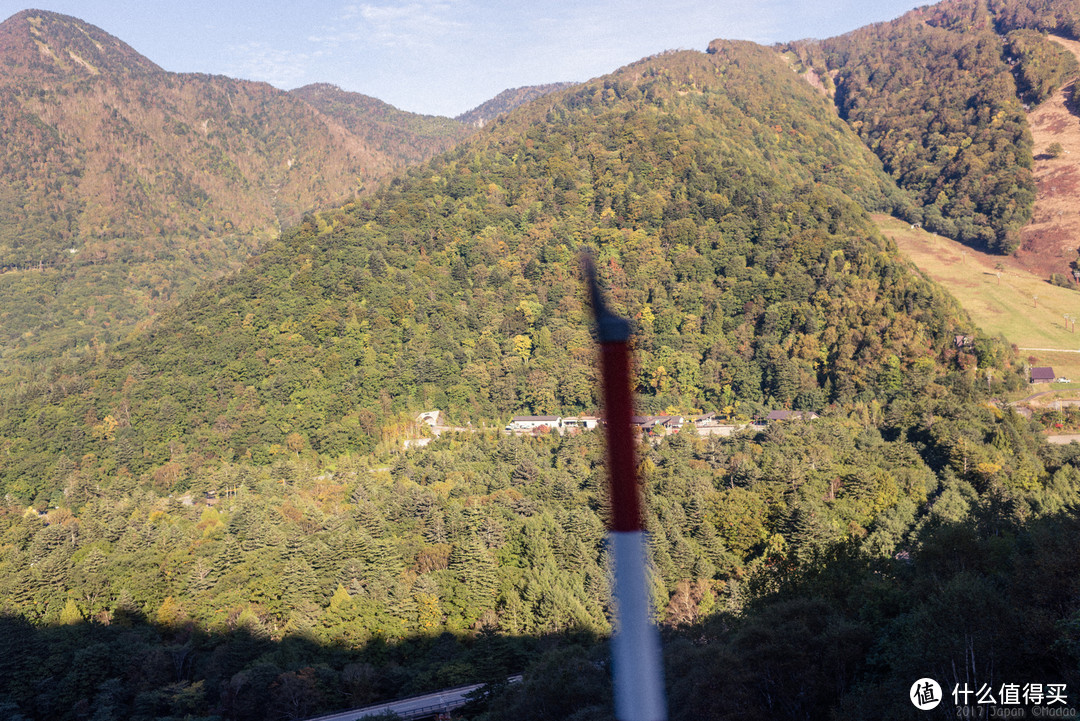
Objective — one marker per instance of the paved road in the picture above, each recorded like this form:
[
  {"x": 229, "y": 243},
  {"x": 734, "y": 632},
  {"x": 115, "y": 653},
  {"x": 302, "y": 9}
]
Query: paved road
[
  {"x": 428, "y": 704},
  {"x": 1033, "y": 396},
  {"x": 1051, "y": 350}
]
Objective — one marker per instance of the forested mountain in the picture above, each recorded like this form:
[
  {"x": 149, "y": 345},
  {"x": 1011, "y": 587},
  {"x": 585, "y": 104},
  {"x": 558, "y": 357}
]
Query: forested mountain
[
  {"x": 938, "y": 94},
  {"x": 121, "y": 184},
  {"x": 506, "y": 101},
  {"x": 104, "y": 146},
  {"x": 405, "y": 137},
  {"x": 213, "y": 518},
  {"x": 724, "y": 216},
  {"x": 725, "y": 202}
]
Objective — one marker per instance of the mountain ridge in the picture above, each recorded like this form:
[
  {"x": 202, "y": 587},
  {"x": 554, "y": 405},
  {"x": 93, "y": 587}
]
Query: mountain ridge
[
  {"x": 409, "y": 137},
  {"x": 508, "y": 100},
  {"x": 122, "y": 185},
  {"x": 87, "y": 50},
  {"x": 938, "y": 94}
]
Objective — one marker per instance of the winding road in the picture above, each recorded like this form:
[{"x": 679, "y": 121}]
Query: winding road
[{"x": 414, "y": 707}]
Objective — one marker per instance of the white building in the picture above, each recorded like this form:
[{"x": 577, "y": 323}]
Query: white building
[{"x": 531, "y": 423}]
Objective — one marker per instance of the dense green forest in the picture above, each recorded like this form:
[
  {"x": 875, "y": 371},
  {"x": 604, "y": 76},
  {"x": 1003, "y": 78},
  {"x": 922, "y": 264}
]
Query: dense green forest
[
  {"x": 1041, "y": 66},
  {"x": 811, "y": 568},
  {"x": 938, "y": 95},
  {"x": 1048, "y": 16},
  {"x": 726, "y": 218},
  {"x": 215, "y": 519}
]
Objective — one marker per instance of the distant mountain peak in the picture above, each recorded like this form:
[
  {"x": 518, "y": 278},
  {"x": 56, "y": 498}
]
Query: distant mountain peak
[
  {"x": 380, "y": 124},
  {"x": 327, "y": 93},
  {"x": 50, "y": 45},
  {"x": 506, "y": 101}
]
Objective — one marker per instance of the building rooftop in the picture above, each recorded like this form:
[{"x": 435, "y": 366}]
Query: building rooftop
[{"x": 790, "y": 415}]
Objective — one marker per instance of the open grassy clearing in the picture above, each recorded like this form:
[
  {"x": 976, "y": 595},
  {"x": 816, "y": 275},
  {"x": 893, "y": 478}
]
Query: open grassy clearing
[
  {"x": 1024, "y": 308},
  {"x": 1010, "y": 295}
]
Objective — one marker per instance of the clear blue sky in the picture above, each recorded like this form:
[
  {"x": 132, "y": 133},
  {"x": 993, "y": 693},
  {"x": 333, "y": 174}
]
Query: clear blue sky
[{"x": 444, "y": 56}]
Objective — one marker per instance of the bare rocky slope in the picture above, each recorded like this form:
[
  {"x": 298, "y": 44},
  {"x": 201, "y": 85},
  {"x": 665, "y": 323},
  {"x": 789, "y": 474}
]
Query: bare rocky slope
[{"x": 1050, "y": 242}]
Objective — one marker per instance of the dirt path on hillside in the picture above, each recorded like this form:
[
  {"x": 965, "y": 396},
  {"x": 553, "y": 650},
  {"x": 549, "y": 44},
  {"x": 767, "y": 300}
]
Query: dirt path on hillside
[{"x": 1050, "y": 241}]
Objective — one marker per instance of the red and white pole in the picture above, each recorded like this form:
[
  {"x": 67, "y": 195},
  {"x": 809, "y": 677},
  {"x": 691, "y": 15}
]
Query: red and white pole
[{"x": 637, "y": 668}]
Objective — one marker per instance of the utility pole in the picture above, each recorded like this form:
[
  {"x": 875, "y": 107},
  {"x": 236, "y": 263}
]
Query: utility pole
[{"x": 637, "y": 668}]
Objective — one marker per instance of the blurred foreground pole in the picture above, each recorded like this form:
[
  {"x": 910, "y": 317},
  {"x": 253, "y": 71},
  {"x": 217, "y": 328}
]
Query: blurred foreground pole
[{"x": 636, "y": 664}]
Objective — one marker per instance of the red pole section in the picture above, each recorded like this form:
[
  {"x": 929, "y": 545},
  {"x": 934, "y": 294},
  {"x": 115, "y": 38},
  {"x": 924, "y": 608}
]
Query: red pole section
[
  {"x": 637, "y": 669},
  {"x": 622, "y": 460}
]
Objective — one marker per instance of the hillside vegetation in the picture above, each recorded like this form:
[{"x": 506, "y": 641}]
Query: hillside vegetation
[
  {"x": 506, "y": 101},
  {"x": 938, "y": 93},
  {"x": 214, "y": 519},
  {"x": 140, "y": 155},
  {"x": 724, "y": 200},
  {"x": 1049, "y": 243},
  {"x": 404, "y": 137},
  {"x": 727, "y": 221},
  {"x": 122, "y": 185}
]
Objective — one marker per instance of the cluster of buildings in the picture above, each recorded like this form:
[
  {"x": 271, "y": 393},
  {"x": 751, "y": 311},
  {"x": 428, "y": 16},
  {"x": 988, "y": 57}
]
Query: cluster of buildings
[
  {"x": 707, "y": 424},
  {"x": 662, "y": 425},
  {"x": 552, "y": 423}
]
